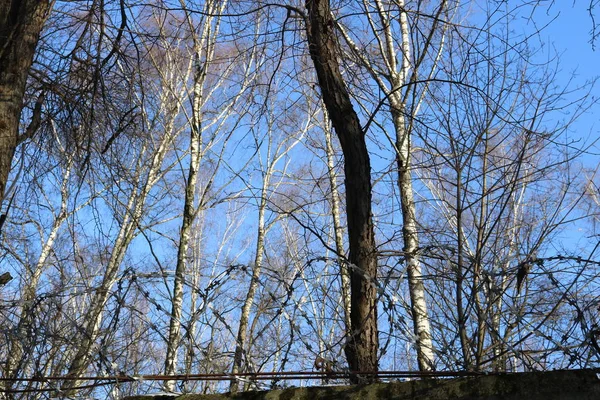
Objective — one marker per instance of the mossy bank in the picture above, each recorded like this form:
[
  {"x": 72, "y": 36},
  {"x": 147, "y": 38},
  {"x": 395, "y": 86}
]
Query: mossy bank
[{"x": 563, "y": 385}]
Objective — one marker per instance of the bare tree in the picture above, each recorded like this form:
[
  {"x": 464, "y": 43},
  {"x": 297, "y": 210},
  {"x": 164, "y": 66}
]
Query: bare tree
[
  {"x": 22, "y": 343},
  {"x": 141, "y": 168},
  {"x": 401, "y": 73},
  {"x": 485, "y": 161},
  {"x": 37, "y": 331},
  {"x": 179, "y": 212},
  {"x": 363, "y": 344},
  {"x": 273, "y": 165},
  {"x": 203, "y": 50}
]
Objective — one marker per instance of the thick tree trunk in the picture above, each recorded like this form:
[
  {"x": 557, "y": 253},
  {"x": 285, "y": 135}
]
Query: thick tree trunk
[
  {"x": 396, "y": 55},
  {"x": 362, "y": 346},
  {"x": 20, "y": 25}
]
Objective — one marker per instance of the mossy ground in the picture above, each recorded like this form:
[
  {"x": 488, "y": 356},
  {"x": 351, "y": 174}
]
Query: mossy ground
[{"x": 563, "y": 385}]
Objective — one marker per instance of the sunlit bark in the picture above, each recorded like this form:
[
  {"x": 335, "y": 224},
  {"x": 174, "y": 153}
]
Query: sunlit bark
[
  {"x": 204, "y": 48},
  {"x": 363, "y": 344}
]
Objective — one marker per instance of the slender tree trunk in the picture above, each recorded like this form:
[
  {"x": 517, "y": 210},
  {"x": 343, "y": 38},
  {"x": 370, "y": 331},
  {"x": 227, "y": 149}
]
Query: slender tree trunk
[
  {"x": 20, "y": 25},
  {"x": 274, "y": 154},
  {"x": 337, "y": 224},
  {"x": 240, "y": 345},
  {"x": 132, "y": 215},
  {"x": 190, "y": 353},
  {"x": 460, "y": 275},
  {"x": 189, "y": 215},
  {"x": 482, "y": 312},
  {"x": 418, "y": 302},
  {"x": 18, "y": 344},
  {"x": 363, "y": 344},
  {"x": 204, "y": 47},
  {"x": 416, "y": 287},
  {"x": 82, "y": 358}
]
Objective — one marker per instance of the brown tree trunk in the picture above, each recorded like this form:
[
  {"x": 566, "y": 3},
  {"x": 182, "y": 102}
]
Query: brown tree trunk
[
  {"x": 362, "y": 346},
  {"x": 21, "y": 22}
]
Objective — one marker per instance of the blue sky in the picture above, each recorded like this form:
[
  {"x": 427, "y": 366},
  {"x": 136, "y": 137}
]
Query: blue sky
[{"x": 570, "y": 35}]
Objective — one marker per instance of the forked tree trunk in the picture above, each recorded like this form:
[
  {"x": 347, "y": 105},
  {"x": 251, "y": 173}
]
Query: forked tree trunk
[
  {"x": 189, "y": 215},
  {"x": 363, "y": 344}
]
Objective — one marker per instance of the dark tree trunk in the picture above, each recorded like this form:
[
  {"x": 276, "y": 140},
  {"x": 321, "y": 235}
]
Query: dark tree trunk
[
  {"x": 363, "y": 345},
  {"x": 21, "y": 22}
]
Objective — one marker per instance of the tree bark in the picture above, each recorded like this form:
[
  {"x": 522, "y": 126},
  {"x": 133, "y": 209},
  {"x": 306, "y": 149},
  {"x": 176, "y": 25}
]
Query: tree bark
[
  {"x": 402, "y": 68},
  {"x": 362, "y": 345},
  {"x": 418, "y": 301},
  {"x": 189, "y": 215},
  {"x": 20, "y": 25}
]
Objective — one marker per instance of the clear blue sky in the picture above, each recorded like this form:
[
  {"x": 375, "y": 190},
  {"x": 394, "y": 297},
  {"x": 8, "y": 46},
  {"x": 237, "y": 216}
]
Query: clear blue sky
[{"x": 570, "y": 36}]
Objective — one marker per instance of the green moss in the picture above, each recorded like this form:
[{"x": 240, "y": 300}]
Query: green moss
[{"x": 559, "y": 385}]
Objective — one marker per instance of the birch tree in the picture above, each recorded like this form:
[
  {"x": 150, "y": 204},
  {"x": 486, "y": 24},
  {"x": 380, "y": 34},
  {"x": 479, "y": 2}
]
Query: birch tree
[
  {"x": 142, "y": 168},
  {"x": 338, "y": 230},
  {"x": 401, "y": 62},
  {"x": 203, "y": 50},
  {"x": 272, "y": 152}
]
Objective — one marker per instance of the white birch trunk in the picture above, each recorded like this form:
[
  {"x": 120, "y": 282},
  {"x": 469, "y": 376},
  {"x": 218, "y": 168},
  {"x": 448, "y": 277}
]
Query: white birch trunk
[
  {"x": 204, "y": 47},
  {"x": 241, "y": 339},
  {"x": 189, "y": 215},
  {"x": 131, "y": 215},
  {"x": 337, "y": 224},
  {"x": 421, "y": 325},
  {"x": 401, "y": 69},
  {"x": 30, "y": 284}
]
